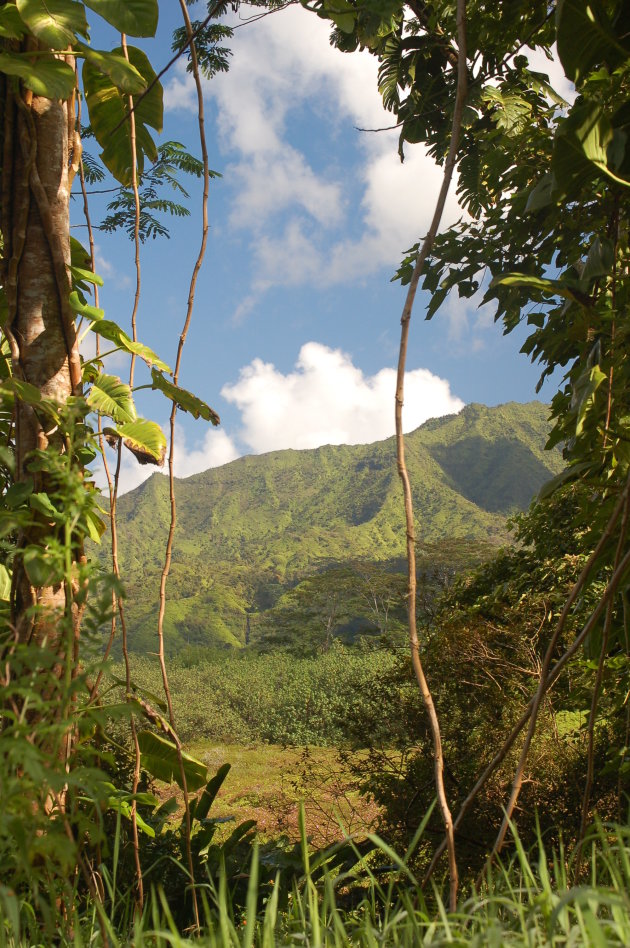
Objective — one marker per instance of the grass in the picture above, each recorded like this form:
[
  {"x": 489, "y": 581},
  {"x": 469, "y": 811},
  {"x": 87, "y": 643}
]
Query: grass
[
  {"x": 267, "y": 783},
  {"x": 529, "y": 901}
]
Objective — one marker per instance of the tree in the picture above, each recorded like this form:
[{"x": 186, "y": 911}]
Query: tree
[{"x": 546, "y": 184}]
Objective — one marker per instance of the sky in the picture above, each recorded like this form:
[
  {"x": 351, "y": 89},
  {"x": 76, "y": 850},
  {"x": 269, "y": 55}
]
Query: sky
[{"x": 295, "y": 333}]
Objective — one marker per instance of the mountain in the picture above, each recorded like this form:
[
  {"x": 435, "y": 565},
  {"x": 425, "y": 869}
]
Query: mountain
[{"x": 250, "y": 530}]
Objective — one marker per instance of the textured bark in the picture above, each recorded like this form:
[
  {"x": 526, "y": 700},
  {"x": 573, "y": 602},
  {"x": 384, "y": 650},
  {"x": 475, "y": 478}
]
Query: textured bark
[{"x": 40, "y": 324}]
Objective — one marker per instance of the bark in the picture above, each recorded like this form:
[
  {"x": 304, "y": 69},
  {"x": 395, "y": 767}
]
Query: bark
[{"x": 40, "y": 324}]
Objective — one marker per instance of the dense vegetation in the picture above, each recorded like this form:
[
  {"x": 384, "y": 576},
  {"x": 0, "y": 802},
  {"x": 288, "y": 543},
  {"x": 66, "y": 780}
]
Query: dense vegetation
[
  {"x": 270, "y": 521},
  {"x": 528, "y": 658}
]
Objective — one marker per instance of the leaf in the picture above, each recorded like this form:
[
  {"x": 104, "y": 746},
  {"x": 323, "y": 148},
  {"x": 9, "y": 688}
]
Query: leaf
[
  {"x": 112, "y": 397},
  {"x": 540, "y": 196},
  {"x": 134, "y": 17},
  {"x": 5, "y": 585},
  {"x": 124, "y": 75},
  {"x": 183, "y": 399},
  {"x": 54, "y": 22},
  {"x": 600, "y": 259},
  {"x": 42, "y": 503},
  {"x": 40, "y": 568},
  {"x": 551, "y": 287},
  {"x": 112, "y": 331},
  {"x": 210, "y": 791},
  {"x": 582, "y": 142},
  {"x": 109, "y": 114},
  {"x": 84, "y": 309},
  {"x": 585, "y": 38},
  {"x": 585, "y": 389},
  {"x": 43, "y": 75},
  {"x": 145, "y": 439},
  {"x": 95, "y": 526},
  {"x": 88, "y": 276},
  {"x": 11, "y": 25},
  {"x": 159, "y": 758}
]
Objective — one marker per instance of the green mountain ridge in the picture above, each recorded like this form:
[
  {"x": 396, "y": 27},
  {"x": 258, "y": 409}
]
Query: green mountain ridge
[{"x": 253, "y": 528}]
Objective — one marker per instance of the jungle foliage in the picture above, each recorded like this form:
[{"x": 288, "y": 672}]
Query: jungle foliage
[{"x": 537, "y": 641}]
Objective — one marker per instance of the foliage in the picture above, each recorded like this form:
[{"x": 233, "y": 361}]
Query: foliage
[
  {"x": 370, "y": 896},
  {"x": 273, "y": 698}
]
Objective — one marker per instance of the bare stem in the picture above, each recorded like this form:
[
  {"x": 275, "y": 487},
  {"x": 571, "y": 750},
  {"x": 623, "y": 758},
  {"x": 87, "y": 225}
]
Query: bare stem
[
  {"x": 171, "y": 456},
  {"x": 462, "y": 83}
]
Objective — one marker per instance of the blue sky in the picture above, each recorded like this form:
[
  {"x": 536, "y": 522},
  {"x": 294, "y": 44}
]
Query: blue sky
[{"x": 294, "y": 339}]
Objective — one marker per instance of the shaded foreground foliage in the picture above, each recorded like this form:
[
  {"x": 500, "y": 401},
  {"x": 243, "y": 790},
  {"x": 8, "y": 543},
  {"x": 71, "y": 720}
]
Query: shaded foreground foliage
[{"x": 373, "y": 898}]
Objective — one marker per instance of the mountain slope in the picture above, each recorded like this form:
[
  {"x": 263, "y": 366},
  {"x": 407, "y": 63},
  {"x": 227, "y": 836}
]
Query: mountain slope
[{"x": 248, "y": 530}]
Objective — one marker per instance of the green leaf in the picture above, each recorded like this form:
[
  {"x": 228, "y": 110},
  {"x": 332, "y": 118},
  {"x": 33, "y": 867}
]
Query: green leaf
[
  {"x": 95, "y": 526},
  {"x": 541, "y": 195},
  {"x": 600, "y": 259},
  {"x": 109, "y": 116},
  {"x": 43, "y": 75},
  {"x": 42, "y": 503},
  {"x": 54, "y": 22},
  {"x": 551, "y": 287},
  {"x": 84, "y": 309},
  {"x": 112, "y": 397},
  {"x": 564, "y": 477},
  {"x": 585, "y": 389},
  {"x": 582, "y": 142},
  {"x": 184, "y": 399},
  {"x": 11, "y": 24},
  {"x": 85, "y": 276},
  {"x": 5, "y": 584},
  {"x": 112, "y": 331},
  {"x": 124, "y": 75},
  {"x": 159, "y": 758},
  {"x": 210, "y": 791},
  {"x": 585, "y": 38},
  {"x": 40, "y": 567},
  {"x": 134, "y": 17},
  {"x": 18, "y": 494},
  {"x": 145, "y": 439}
]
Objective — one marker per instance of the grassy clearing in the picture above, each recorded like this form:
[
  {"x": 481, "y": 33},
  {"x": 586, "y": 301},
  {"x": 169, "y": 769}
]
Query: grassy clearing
[{"x": 268, "y": 782}]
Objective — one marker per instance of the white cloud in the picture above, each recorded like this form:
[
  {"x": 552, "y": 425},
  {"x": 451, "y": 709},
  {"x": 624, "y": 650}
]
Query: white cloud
[
  {"x": 312, "y": 224},
  {"x": 217, "y": 448},
  {"x": 328, "y": 400}
]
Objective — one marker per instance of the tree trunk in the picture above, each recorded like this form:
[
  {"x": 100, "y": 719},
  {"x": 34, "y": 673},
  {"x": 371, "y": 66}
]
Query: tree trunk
[{"x": 40, "y": 324}]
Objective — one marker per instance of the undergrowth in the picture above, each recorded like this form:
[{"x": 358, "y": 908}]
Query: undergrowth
[{"x": 529, "y": 899}]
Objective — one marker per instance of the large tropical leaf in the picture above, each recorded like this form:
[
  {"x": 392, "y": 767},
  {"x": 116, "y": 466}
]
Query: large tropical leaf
[
  {"x": 55, "y": 22},
  {"x": 112, "y": 397},
  {"x": 11, "y": 23},
  {"x": 93, "y": 313},
  {"x": 581, "y": 146},
  {"x": 112, "y": 331},
  {"x": 123, "y": 74},
  {"x": 134, "y": 17},
  {"x": 159, "y": 758},
  {"x": 184, "y": 399},
  {"x": 109, "y": 116},
  {"x": 145, "y": 439},
  {"x": 43, "y": 75},
  {"x": 585, "y": 37}
]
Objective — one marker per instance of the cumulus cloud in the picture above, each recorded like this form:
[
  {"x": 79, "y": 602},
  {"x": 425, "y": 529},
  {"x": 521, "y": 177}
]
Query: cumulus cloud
[
  {"x": 326, "y": 399},
  {"x": 309, "y": 222}
]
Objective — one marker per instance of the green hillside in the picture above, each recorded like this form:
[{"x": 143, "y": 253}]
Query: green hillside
[{"x": 250, "y": 530}]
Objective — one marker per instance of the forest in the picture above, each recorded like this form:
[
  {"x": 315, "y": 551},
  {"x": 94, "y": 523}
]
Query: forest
[{"x": 417, "y": 681}]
